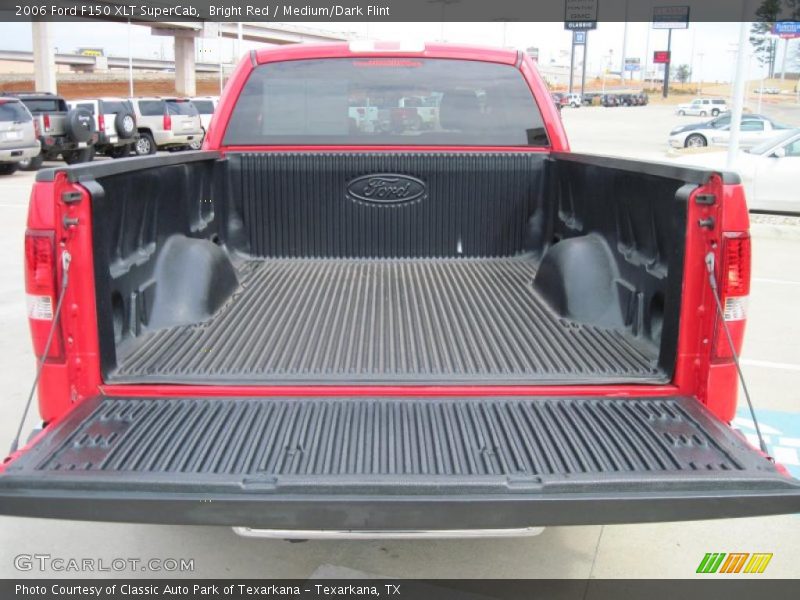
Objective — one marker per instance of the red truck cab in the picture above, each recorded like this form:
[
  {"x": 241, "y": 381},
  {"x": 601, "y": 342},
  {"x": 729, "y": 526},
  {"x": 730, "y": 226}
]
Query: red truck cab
[{"x": 321, "y": 323}]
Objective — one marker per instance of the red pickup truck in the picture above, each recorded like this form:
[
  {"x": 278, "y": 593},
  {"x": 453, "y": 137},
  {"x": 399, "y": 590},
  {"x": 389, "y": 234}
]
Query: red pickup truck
[{"x": 319, "y": 324}]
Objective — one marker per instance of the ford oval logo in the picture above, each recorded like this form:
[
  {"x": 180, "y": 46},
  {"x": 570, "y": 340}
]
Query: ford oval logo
[{"x": 386, "y": 188}]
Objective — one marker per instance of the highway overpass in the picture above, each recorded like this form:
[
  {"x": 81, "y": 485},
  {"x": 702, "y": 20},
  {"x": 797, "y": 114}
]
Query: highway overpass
[
  {"x": 184, "y": 35},
  {"x": 80, "y": 62}
]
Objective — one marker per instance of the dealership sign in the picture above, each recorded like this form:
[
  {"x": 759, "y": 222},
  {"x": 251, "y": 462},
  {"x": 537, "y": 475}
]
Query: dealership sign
[
  {"x": 580, "y": 15},
  {"x": 633, "y": 64},
  {"x": 670, "y": 17},
  {"x": 661, "y": 56},
  {"x": 786, "y": 29}
]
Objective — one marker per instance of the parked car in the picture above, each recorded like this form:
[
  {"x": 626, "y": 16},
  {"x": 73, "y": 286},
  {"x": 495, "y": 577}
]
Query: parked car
[
  {"x": 432, "y": 332},
  {"x": 768, "y": 170},
  {"x": 560, "y": 100},
  {"x": 609, "y": 100},
  {"x": 644, "y": 99},
  {"x": 574, "y": 100},
  {"x": 166, "y": 124},
  {"x": 628, "y": 99},
  {"x": 754, "y": 129},
  {"x": 115, "y": 123},
  {"x": 589, "y": 98},
  {"x": 18, "y": 139},
  {"x": 205, "y": 105},
  {"x": 703, "y": 107},
  {"x": 65, "y": 132}
]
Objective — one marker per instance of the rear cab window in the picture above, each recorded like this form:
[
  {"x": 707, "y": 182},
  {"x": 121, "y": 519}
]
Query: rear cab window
[
  {"x": 151, "y": 108},
  {"x": 181, "y": 107},
  {"x": 14, "y": 112},
  {"x": 403, "y": 101},
  {"x": 45, "y": 105},
  {"x": 115, "y": 106},
  {"x": 204, "y": 107}
]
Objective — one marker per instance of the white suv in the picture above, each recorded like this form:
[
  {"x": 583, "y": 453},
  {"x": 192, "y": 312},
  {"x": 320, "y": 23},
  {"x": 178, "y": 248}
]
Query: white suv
[
  {"x": 703, "y": 107},
  {"x": 205, "y": 105},
  {"x": 166, "y": 123},
  {"x": 574, "y": 100},
  {"x": 115, "y": 123}
]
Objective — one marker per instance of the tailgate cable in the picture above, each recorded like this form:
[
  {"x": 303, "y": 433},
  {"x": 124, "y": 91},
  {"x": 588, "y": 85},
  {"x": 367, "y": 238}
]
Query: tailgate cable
[
  {"x": 66, "y": 258},
  {"x": 715, "y": 292}
]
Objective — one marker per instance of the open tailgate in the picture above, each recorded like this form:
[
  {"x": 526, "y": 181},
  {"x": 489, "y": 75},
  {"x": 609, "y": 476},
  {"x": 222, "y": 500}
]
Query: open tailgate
[{"x": 362, "y": 463}]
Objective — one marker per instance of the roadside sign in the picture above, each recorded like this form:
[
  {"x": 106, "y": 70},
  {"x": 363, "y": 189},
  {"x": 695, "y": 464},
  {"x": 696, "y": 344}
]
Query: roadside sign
[
  {"x": 787, "y": 29},
  {"x": 661, "y": 57},
  {"x": 579, "y": 38},
  {"x": 580, "y": 15},
  {"x": 633, "y": 64},
  {"x": 670, "y": 17},
  {"x": 90, "y": 52},
  {"x": 533, "y": 52}
]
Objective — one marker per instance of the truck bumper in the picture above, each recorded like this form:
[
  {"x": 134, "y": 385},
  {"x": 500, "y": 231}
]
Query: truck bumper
[
  {"x": 374, "y": 512},
  {"x": 392, "y": 464},
  {"x": 165, "y": 139},
  {"x": 17, "y": 154}
]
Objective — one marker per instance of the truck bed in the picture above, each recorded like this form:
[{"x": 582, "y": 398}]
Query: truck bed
[{"x": 432, "y": 320}]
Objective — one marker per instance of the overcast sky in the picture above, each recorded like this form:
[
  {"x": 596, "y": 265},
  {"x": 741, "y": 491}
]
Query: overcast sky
[{"x": 716, "y": 42}]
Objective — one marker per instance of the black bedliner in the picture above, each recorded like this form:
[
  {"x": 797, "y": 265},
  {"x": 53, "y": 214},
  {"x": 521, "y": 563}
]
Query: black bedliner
[
  {"x": 393, "y": 463},
  {"x": 433, "y": 320},
  {"x": 268, "y": 268}
]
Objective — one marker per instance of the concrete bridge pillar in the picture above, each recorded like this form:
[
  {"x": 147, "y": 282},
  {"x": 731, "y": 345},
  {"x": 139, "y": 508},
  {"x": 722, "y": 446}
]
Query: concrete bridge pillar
[
  {"x": 185, "y": 79},
  {"x": 44, "y": 63}
]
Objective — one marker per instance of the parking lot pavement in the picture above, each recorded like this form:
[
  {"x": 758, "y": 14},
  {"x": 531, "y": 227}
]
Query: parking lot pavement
[
  {"x": 640, "y": 131},
  {"x": 772, "y": 364}
]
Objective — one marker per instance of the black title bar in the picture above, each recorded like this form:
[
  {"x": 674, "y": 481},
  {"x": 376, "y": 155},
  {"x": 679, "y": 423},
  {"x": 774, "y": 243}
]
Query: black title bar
[
  {"x": 392, "y": 10},
  {"x": 401, "y": 589}
]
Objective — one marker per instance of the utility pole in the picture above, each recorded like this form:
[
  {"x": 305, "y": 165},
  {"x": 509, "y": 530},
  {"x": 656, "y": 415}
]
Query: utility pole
[
  {"x": 130, "y": 63},
  {"x": 571, "y": 62},
  {"x": 665, "y": 92},
  {"x": 583, "y": 69},
  {"x": 219, "y": 56},
  {"x": 646, "y": 57},
  {"x": 738, "y": 94},
  {"x": 700, "y": 73},
  {"x": 624, "y": 43}
]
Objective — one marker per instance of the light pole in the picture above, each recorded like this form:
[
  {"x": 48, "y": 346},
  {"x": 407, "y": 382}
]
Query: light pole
[
  {"x": 700, "y": 72},
  {"x": 444, "y": 4},
  {"x": 738, "y": 95},
  {"x": 130, "y": 63}
]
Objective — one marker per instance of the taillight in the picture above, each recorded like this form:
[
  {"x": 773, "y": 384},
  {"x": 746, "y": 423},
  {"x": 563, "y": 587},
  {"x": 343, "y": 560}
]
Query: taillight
[
  {"x": 46, "y": 121},
  {"x": 167, "y": 122},
  {"x": 40, "y": 289},
  {"x": 735, "y": 275},
  {"x": 734, "y": 288},
  {"x": 736, "y": 264},
  {"x": 37, "y": 129},
  {"x": 101, "y": 122}
]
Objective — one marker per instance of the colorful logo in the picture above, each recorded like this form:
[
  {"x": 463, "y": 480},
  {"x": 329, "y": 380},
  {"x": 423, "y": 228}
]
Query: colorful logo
[{"x": 734, "y": 562}]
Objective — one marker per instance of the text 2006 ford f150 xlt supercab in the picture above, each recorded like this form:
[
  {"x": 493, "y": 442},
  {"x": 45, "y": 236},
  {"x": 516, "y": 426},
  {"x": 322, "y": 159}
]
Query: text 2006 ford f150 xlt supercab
[{"x": 329, "y": 323}]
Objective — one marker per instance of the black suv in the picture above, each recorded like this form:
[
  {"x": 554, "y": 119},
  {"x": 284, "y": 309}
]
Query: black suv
[{"x": 68, "y": 133}]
